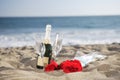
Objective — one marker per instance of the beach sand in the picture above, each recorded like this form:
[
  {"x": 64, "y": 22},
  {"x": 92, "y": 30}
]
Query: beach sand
[{"x": 19, "y": 63}]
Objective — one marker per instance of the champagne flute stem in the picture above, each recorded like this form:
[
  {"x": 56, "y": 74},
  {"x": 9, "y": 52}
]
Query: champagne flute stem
[{"x": 55, "y": 58}]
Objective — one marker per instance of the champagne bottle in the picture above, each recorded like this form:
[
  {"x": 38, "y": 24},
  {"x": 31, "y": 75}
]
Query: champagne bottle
[{"x": 47, "y": 42}]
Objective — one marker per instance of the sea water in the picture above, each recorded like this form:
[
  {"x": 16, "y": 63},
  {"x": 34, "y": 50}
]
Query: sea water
[{"x": 21, "y": 31}]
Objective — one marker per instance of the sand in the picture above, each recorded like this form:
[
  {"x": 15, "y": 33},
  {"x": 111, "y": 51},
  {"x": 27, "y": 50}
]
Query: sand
[{"x": 19, "y": 63}]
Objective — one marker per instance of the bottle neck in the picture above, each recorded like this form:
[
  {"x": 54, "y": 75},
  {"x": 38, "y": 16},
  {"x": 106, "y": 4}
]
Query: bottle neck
[{"x": 47, "y": 37}]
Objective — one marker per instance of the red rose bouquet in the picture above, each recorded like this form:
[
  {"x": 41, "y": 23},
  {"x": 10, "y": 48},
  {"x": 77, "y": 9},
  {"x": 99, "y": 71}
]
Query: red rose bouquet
[
  {"x": 71, "y": 66},
  {"x": 67, "y": 66},
  {"x": 52, "y": 66}
]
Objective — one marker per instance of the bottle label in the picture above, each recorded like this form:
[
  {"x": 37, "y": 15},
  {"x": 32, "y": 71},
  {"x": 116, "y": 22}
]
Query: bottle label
[
  {"x": 46, "y": 59},
  {"x": 40, "y": 61}
]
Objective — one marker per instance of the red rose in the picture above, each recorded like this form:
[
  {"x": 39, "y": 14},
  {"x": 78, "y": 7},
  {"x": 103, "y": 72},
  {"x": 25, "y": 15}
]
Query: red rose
[
  {"x": 67, "y": 66},
  {"x": 71, "y": 66},
  {"x": 51, "y": 67}
]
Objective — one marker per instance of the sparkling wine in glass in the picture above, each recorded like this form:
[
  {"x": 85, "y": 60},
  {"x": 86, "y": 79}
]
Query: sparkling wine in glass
[{"x": 57, "y": 45}]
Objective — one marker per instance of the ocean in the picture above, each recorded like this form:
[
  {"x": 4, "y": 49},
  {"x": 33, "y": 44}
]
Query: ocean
[{"x": 21, "y": 31}]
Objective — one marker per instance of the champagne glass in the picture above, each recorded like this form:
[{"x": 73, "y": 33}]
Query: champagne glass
[
  {"x": 57, "y": 45},
  {"x": 40, "y": 47}
]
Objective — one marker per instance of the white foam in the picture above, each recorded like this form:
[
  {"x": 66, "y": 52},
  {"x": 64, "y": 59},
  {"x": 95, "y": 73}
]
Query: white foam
[
  {"x": 92, "y": 36},
  {"x": 70, "y": 37}
]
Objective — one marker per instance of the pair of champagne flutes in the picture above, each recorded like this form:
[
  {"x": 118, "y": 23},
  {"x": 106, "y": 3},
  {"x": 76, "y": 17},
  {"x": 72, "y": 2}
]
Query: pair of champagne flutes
[{"x": 56, "y": 47}]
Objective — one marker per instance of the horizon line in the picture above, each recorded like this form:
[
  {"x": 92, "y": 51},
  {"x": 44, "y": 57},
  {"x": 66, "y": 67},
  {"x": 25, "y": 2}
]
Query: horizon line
[{"x": 62, "y": 16}]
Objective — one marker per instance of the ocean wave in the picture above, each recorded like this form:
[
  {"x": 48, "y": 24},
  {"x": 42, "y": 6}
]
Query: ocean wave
[{"x": 71, "y": 37}]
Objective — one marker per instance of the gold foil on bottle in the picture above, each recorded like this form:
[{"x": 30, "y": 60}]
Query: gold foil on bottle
[{"x": 46, "y": 41}]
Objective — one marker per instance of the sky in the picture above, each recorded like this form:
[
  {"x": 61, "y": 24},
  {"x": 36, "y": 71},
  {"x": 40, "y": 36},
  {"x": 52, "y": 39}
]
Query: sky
[{"x": 11, "y": 8}]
